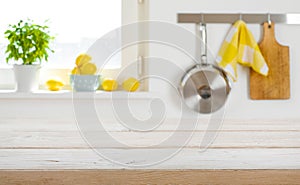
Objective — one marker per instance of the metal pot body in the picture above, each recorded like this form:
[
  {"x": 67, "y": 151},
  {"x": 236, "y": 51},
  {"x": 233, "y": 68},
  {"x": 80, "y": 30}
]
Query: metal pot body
[{"x": 205, "y": 88}]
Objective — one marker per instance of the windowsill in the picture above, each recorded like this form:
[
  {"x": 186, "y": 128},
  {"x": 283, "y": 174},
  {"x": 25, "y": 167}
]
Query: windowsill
[{"x": 65, "y": 94}]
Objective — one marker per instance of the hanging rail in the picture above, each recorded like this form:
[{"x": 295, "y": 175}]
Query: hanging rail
[{"x": 231, "y": 18}]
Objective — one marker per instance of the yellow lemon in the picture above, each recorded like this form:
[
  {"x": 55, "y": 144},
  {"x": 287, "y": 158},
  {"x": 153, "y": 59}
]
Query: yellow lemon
[
  {"x": 54, "y": 88},
  {"x": 75, "y": 71},
  {"x": 54, "y": 85},
  {"x": 88, "y": 69},
  {"x": 109, "y": 85},
  {"x": 83, "y": 59},
  {"x": 131, "y": 84}
]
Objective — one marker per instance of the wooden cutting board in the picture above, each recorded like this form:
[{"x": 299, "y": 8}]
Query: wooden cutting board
[{"x": 277, "y": 84}]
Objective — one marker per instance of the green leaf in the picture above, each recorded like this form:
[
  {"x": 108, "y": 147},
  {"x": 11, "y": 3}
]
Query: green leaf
[{"x": 28, "y": 42}]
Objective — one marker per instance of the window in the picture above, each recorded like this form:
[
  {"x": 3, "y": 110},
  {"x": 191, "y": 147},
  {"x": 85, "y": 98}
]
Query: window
[{"x": 76, "y": 24}]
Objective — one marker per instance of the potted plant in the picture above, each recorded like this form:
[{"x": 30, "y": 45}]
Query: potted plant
[{"x": 28, "y": 47}]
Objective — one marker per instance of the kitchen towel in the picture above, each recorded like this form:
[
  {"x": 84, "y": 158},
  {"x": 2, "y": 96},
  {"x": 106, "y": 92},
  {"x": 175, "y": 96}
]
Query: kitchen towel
[{"x": 240, "y": 47}]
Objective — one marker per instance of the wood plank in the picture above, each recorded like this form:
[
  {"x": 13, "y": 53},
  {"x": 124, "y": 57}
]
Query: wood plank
[
  {"x": 58, "y": 124},
  {"x": 74, "y": 177},
  {"x": 225, "y": 139},
  {"x": 46, "y": 159}
]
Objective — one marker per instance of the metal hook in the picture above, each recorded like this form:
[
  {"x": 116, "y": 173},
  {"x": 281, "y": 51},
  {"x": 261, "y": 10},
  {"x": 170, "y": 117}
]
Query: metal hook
[
  {"x": 269, "y": 20},
  {"x": 241, "y": 16},
  {"x": 202, "y": 18}
]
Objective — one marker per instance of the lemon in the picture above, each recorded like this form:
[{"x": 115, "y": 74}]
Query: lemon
[
  {"x": 54, "y": 88},
  {"x": 83, "y": 59},
  {"x": 88, "y": 69},
  {"x": 109, "y": 85},
  {"x": 75, "y": 71},
  {"x": 54, "y": 85},
  {"x": 131, "y": 84}
]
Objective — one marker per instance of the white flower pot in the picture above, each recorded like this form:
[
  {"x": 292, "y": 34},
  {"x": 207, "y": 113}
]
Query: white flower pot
[{"x": 27, "y": 77}]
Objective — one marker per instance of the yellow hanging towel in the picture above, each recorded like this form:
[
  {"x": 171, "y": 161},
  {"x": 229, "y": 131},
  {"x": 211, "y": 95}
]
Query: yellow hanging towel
[{"x": 241, "y": 47}]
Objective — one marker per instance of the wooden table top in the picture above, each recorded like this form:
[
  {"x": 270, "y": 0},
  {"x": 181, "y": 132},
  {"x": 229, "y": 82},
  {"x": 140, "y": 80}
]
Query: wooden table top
[{"x": 57, "y": 145}]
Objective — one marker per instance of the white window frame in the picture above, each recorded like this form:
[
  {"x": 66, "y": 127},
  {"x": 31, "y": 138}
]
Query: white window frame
[{"x": 132, "y": 11}]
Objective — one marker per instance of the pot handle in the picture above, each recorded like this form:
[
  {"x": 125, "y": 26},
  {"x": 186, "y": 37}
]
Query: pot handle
[{"x": 203, "y": 44}]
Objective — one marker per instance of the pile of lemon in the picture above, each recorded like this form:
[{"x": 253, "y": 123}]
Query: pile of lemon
[{"x": 84, "y": 66}]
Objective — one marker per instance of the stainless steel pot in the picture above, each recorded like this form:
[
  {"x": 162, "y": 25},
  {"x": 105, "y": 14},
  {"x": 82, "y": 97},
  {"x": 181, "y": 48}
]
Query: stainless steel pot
[{"x": 205, "y": 87}]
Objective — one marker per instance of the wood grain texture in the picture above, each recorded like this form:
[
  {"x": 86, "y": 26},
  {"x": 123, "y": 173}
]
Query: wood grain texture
[
  {"x": 67, "y": 159},
  {"x": 87, "y": 177},
  {"x": 241, "y": 144},
  {"x": 225, "y": 139},
  {"x": 31, "y": 148},
  {"x": 277, "y": 84},
  {"x": 57, "y": 125}
]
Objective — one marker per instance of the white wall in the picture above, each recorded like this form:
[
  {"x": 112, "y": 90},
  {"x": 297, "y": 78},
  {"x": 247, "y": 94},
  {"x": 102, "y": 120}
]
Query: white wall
[{"x": 239, "y": 104}]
